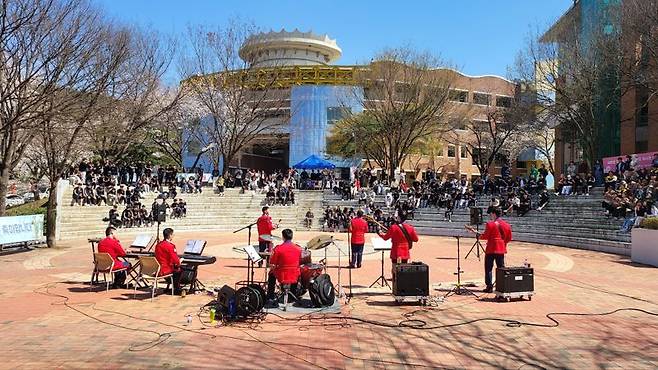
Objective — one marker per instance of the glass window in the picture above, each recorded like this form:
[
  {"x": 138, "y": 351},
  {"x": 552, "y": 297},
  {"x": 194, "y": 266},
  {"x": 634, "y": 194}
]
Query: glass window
[
  {"x": 459, "y": 96},
  {"x": 641, "y": 146},
  {"x": 451, "y": 151},
  {"x": 480, "y": 98},
  {"x": 464, "y": 152},
  {"x": 503, "y": 101},
  {"x": 335, "y": 114}
]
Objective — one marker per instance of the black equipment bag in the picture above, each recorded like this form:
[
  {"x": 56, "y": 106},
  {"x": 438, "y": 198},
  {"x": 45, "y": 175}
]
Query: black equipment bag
[
  {"x": 322, "y": 291},
  {"x": 188, "y": 275}
]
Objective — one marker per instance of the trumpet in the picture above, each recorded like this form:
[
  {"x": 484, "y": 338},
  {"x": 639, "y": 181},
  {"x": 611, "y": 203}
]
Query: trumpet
[{"x": 370, "y": 218}]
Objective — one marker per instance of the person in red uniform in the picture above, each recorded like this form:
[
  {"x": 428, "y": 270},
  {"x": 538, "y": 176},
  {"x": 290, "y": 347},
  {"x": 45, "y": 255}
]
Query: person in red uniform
[
  {"x": 497, "y": 233},
  {"x": 358, "y": 228},
  {"x": 265, "y": 227},
  {"x": 110, "y": 244},
  {"x": 402, "y": 242},
  {"x": 165, "y": 253},
  {"x": 284, "y": 264}
]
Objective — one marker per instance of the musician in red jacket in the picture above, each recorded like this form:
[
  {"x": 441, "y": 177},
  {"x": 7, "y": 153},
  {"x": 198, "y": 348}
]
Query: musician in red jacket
[
  {"x": 497, "y": 233},
  {"x": 401, "y": 240},
  {"x": 358, "y": 228},
  {"x": 284, "y": 264},
  {"x": 265, "y": 227},
  {"x": 165, "y": 253},
  {"x": 110, "y": 244}
]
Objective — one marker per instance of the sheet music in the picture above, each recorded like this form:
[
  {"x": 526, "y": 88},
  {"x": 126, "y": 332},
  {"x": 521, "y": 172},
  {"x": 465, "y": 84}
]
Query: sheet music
[
  {"x": 194, "y": 247},
  {"x": 252, "y": 253},
  {"x": 381, "y": 244},
  {"x": 141, "y": 241}
]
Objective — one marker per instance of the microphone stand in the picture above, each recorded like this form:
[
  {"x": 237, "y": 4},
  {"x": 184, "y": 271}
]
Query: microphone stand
[
  {"x": 349, "y": 251},
  {"x": 250, "y": 267}
]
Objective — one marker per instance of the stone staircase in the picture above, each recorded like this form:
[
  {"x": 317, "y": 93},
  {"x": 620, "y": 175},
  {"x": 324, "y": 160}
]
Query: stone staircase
[
  {"x": 574, "y": 221},
  {"x": 205, "y": 211}
]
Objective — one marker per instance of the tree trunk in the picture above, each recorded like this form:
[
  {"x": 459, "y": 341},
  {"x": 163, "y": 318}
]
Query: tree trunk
[
  {"x": 4, "y": 182},
  {"x": 51, "y": 215}
]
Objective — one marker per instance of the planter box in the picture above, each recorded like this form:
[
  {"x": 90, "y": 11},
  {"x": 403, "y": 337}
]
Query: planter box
[{"x": 644, "y": 246}]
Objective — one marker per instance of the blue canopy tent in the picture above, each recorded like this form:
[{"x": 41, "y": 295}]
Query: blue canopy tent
[{"x": 314, "y": 162}]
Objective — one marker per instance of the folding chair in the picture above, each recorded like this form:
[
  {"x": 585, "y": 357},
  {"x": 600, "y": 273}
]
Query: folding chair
[
  {"x": 148, "y": 271},
  {"x": 104, "y": 264}
]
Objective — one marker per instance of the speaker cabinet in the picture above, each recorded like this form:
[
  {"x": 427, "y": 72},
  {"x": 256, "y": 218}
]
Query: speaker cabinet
[
  {"x": 411, "y": 279},
  {"x": 515, "y": 279}
]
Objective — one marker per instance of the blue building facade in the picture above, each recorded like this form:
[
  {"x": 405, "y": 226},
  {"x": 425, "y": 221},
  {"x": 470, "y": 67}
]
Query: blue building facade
[{"x": 314, "y": 109}]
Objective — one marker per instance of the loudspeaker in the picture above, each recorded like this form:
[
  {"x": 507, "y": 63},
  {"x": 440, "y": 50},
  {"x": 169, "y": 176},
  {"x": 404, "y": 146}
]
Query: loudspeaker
[
  {"x": 411, "y": 279},
  {"x": 159, "y": 212},
  {"x": 515, "y": 279},
  {"x": 225, "y": 294},
  {"x": 476, "y": 216}
]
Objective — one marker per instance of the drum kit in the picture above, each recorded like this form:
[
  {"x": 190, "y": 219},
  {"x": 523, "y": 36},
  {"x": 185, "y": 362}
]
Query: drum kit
[{"x": 309, "y": 270}]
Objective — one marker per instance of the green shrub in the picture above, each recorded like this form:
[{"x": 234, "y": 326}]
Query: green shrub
[
  {"x": 31, "y": 208},
  {"x": 650, "y": 223}
]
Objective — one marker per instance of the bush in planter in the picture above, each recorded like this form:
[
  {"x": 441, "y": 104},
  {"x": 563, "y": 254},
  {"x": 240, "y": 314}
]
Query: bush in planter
[{"x": 650, "y": 223}]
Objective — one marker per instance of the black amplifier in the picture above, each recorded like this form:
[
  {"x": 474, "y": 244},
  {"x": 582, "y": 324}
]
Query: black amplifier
[
  {"x": 515, "y": 279},
  {"x": 411, "y": 279}
]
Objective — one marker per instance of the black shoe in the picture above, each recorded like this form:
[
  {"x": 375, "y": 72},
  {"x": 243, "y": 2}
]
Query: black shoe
[
  {"x": 488, "y": 289},
  {"x": 178, "y": 291}
]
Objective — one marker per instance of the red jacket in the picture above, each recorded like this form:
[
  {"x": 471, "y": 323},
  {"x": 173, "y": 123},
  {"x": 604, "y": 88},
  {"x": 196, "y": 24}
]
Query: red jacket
[
  {"x": 114, "y": 248},
  {"x": 359, "y": 228},
  {"x": 165, "y": 253},
  {"x": 286, "y": 258},
  {"x": 497, "y": 243},
  {"x": 264, "y": 225},
  {"x": 400, "y": 246}
]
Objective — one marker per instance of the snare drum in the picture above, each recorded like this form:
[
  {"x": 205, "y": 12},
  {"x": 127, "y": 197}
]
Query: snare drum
[{"x": 310, "y": 271}]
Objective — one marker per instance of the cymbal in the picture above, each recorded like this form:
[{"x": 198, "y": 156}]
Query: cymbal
[
  {"x": 319, "y": 242},
  {"x": 269, "y": 238}
]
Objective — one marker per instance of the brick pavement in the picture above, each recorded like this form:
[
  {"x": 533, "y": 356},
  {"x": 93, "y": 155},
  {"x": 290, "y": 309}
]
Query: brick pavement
[{"x": 114, "y": 330}]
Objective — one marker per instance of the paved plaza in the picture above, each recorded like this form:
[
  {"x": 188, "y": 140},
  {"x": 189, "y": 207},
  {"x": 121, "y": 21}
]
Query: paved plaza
[{"x": 50, "y": 318}]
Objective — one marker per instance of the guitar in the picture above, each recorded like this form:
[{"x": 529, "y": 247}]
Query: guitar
[{"x": 370, "y": 218}]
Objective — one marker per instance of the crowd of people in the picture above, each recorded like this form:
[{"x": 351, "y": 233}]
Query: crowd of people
[
  {"x": 630, "y": 194},
  {"x": 137, "y": 215}
]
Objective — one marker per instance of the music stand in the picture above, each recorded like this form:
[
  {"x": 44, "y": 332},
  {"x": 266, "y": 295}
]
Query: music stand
[
  {"x": 381, "y": 246},
  {"x": 142, "y": 241},
  {"x": 248, "y": 234},
  {"x": 253, "y": 257},
  {"x": 195, "y": 247},
  {"x": 457, "y": 289}
]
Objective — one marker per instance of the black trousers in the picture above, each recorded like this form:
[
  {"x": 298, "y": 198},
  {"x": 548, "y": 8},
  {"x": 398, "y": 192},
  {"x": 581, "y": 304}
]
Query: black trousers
[
  {"x": 271, "y": 286},
  {"x": 357, "y": 255},
  {"x": 488, "y": 266},
  {"x": 176, "y": 280},
  {"x": 262, "y": 247}
]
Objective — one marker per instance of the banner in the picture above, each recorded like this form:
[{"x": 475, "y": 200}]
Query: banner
[
  {"x": 18, "y": 229},
  {"x": 638, "y": 161}
]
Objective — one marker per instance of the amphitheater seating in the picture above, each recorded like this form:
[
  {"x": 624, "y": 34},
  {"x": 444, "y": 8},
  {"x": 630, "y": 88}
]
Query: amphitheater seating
[{"x": 574, "y": 221}]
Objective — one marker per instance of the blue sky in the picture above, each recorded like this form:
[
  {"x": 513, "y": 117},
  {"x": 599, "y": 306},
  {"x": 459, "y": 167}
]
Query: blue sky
[{"x": 476, "y": 36}]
